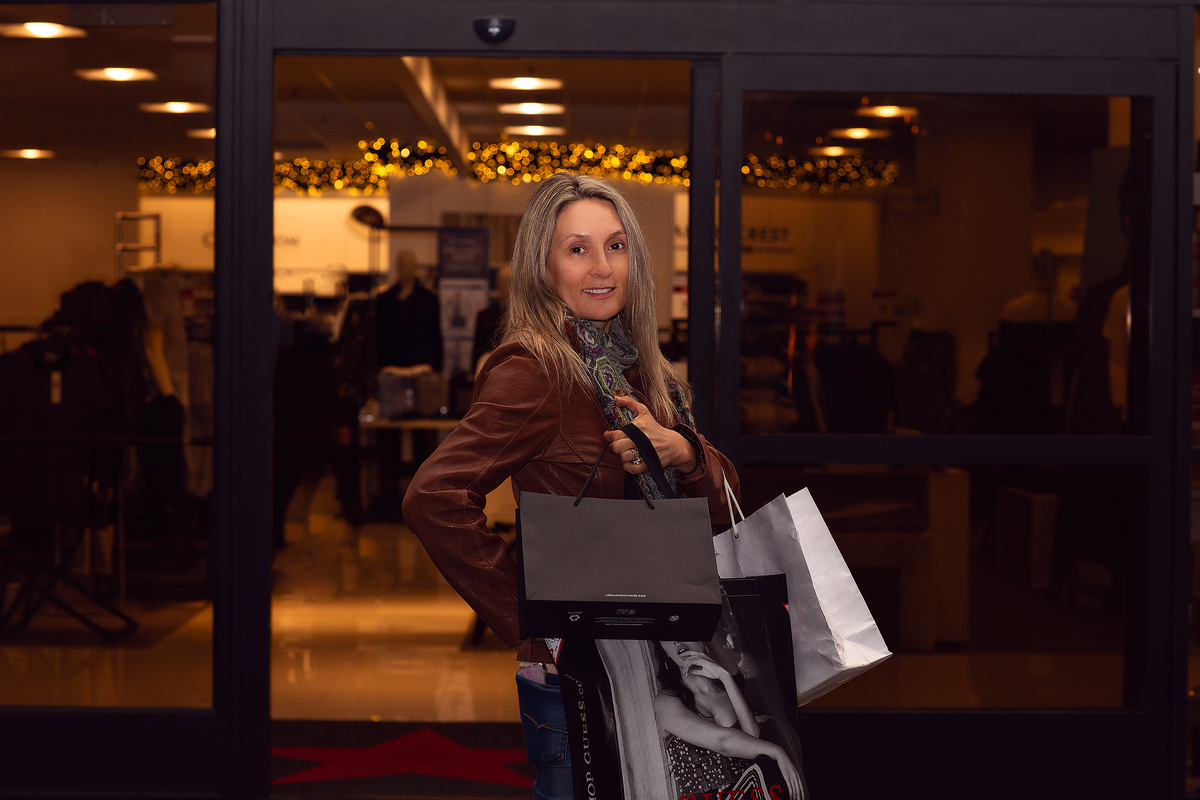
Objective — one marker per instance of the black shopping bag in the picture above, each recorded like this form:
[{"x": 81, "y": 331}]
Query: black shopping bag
[
  {"x": 616, "y": 569},
  {"x": 627, "y": 743}
]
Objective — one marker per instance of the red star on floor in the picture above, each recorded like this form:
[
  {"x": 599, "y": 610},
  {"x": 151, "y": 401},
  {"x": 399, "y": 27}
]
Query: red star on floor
[{"x": 421, "y": 752}]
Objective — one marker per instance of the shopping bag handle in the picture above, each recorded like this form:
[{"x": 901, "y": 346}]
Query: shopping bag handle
[
  {"x": 733, "y": 504},
  {"x": 649, "y": 455},
  {"x": 646, "y": 450}
]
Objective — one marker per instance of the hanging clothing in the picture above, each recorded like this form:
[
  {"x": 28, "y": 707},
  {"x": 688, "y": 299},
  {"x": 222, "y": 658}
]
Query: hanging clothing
[
  {"x": 55, "y": 390},
  {"x": 408, "y": 331}
]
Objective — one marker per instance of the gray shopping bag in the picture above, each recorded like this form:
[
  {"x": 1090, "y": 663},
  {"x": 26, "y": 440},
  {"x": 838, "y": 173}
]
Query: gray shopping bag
[{"x": 616, "y": 569}]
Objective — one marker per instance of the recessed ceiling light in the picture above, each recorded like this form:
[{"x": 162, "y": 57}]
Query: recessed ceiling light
[
  {"x": 887, "y": 112},
  {"x": 859, "y": 133},
  {"x": 27, "y": 153},
  {"x": 533, "y": 130},
  {"x": 40, "y": 30},
  {"x": 525, "y": 84},
  {"x": 174, "y": 107},
  {"x": 835, "y": 152},
  {"x": 202, "y": 133},
  {"x": 531, "y": 108},
  {"x": 116, "y": 74}
]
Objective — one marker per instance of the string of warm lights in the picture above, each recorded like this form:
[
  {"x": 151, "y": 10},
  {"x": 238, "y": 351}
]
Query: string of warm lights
[
  {"x": 520, "y": 162},
  {"x": 820, "y": 174},
  {"x": 174, "y": 175},
  {"x": 369, "y": 175}
]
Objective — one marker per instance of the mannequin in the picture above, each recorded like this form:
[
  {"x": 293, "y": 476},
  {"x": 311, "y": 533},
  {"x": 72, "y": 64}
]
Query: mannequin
[
  {"x": 407, "y": 319},
  {"x": 163, "y": 466},
  {"x": 408, "y": 332},
  {"x": 164, "y": 338}
]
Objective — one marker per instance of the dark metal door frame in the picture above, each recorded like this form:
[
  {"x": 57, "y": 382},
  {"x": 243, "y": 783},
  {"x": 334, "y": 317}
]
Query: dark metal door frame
[{"x": 1115, "y": 50}]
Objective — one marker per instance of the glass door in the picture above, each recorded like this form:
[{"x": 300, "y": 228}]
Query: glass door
[
  {"x": 936, "y": 283},
  {"x": 106, "y": 405}
]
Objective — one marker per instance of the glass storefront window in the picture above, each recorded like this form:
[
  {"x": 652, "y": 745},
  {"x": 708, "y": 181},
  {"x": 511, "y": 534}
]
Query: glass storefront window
[
  {"x": 106, "y": 307},
  {"x": 938, "y": 264},
  {"x": 994, "y": 586}
]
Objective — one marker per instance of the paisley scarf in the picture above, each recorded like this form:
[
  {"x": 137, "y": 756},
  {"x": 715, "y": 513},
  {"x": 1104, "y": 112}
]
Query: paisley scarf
[{"x": 607, "y": 356}]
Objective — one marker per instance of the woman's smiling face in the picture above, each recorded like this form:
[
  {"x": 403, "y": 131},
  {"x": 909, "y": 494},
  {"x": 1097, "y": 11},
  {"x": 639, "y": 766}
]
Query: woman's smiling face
[{"x": 589, "y": 260}]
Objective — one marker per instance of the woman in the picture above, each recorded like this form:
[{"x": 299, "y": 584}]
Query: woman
[
  {"x": 579, "y": 358},
  {"x": 712, "y": 736}
]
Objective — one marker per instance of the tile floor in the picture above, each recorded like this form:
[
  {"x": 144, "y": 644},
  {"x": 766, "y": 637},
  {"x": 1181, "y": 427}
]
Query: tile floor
[{"x": 365, "y": 629}]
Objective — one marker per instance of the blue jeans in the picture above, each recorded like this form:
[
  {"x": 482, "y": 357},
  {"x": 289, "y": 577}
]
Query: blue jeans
[{"x": 544, "y": 723}]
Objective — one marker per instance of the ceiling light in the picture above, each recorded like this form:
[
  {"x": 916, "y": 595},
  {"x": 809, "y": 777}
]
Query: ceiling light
[
  {"x": 202, "y": 133},
  {"x": 525, "y": 84},
  {"x": 27, "y": 153},
  {"x": 887, "y": 112},
  {"x": 531, "y": 108},
  {"x": 40, "y": 30},
  {"x": 116, "y": 74},
  {"x": 835, "y": 152},
  {"x": 859, "y": 133},
  {"x": 174, "y": 107},
  {"x": 533, "y": 130}
]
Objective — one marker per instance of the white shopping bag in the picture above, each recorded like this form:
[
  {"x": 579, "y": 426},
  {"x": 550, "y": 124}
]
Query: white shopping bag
[{"x": 834, "y": 636}]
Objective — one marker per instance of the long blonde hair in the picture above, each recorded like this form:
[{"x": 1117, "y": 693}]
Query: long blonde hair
[{"x": 536, "y": 315}]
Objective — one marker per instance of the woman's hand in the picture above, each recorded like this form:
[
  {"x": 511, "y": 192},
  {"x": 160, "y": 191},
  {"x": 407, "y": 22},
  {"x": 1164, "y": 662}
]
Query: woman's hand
[
  {"x": 791, "y": 775},
  {"x": 673, "y": 450},
  {"x": 701, "y": 664}
]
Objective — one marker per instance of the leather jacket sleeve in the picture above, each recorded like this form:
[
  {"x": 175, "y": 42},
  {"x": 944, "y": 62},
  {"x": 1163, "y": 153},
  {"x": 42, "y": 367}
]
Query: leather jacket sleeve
[
  {"x": 708, "y": 479},
  {"x": 513, "y": 419}
]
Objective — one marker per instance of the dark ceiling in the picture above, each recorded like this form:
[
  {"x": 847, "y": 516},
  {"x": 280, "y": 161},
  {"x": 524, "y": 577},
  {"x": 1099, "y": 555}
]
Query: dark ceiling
[
  {"x": 45, "y": 105},
  {"x": 325, "y": 106}
]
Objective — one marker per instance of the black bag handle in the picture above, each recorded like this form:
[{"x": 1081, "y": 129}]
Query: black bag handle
[{"x": 649, "y": 456}]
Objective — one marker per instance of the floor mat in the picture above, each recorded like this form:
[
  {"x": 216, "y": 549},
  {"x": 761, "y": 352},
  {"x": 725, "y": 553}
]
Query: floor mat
[{"x": 410, "y": 760}]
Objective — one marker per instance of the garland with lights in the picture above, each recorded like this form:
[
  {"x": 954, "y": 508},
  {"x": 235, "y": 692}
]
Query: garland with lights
[
  {"x": 822, "y": 174},
  {"x": 519, "y": 162},
  {"x": 522, "y": 162},
  {"x": 173, "y": 175}
]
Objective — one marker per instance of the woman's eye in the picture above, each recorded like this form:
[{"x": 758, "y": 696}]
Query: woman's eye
[
  {"x": 617, "y": 246},
  {"x": 576, "y": 249}
]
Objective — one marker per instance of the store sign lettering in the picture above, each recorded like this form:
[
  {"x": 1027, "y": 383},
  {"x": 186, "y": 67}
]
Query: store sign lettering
[{"x": 765, "y": 234}]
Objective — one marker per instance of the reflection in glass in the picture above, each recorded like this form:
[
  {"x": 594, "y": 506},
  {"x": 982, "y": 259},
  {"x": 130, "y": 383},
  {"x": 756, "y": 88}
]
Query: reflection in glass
[
  {"x": 936, "y": 264},
  {"x": 995, "y": 587},
  {"x": 105, "y": 362}
]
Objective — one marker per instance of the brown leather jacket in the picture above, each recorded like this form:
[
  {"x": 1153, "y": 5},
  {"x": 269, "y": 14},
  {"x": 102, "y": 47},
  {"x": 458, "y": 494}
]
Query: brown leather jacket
[{"x": 524, "y": 425}]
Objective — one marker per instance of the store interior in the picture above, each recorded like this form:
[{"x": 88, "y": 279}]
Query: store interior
[{"x": 911, "y": 265}]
